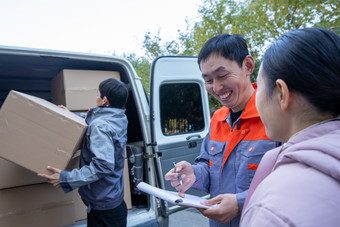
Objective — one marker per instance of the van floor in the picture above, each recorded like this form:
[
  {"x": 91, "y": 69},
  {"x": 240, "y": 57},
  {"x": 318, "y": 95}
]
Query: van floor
[{"x": 189, "y": 217}]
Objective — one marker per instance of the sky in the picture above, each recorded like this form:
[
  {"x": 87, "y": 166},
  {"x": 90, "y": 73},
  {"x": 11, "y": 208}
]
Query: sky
[{"x": 100, "y": 26}]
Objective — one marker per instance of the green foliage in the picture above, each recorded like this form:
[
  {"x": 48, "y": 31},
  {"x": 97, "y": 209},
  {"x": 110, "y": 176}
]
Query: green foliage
[
  {"x": 263, "y": 21},
  {"x": 142, "y": 67},
  {"x": 259, "y": 21},
  {"x": 155, "y": 48}
]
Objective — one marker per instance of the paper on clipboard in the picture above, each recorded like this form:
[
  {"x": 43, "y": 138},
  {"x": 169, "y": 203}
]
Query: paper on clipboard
[{"x": 172, "y": 197}]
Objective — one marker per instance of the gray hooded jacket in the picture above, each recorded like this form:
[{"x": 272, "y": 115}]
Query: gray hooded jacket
[{"x": 100, "y": 177}]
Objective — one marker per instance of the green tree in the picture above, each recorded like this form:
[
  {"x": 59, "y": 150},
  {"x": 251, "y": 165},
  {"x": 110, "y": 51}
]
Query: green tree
[
  {"x": 154, "y": 47},
  {"x": 263, "y": 21},
  {"x": 259, "y": 21},
  {"x": 216, "y": 18},
  {"x": 142, "y": 67}
]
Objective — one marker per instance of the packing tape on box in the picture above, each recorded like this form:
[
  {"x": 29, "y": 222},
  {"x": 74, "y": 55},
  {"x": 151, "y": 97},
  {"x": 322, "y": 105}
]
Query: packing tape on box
[{"x": 61, "y": 151}]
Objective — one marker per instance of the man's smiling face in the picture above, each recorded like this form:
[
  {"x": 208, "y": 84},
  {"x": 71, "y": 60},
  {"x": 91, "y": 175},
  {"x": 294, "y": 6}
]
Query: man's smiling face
[{"x": 226, "y": 81}]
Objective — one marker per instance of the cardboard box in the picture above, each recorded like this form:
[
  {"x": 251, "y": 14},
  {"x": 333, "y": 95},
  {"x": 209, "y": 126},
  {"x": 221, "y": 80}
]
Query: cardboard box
[
  {"x": 35, "y": 133},
  {"x": 74, "y": 161},
  {"x": 80, "y": 209},
  {"x": 127, "y": 191},
  {"x": 37, "y": 205},
  {"x": 77, "y": 89},
  {"x": 13, "y": 175}
]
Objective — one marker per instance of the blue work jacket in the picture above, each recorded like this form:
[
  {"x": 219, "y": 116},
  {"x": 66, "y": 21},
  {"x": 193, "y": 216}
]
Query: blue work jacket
[{"x": 230, "y": 154}]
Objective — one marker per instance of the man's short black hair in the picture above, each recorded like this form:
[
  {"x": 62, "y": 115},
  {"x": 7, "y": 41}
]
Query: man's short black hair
[
  {"x": 115, "y": 91},
  {"x": 233, "y": 47}
]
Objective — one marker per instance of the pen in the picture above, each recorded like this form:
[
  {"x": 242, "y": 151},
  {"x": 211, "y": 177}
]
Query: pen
[{"x": 179, "y": 176}]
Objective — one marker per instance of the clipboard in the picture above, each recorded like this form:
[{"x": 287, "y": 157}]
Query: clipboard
[{"x": 173, "y": 197}]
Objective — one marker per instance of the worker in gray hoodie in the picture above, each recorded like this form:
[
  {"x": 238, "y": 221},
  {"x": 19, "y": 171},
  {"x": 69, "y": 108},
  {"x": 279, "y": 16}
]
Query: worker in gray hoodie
[
  {"x": 100, "y": 176},
  {"x": 298, "y": 99}
]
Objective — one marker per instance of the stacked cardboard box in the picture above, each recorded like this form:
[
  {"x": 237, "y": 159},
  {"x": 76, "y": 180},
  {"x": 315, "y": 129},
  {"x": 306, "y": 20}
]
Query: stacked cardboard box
[
  {"x": 36, "y": 205},
  {"x": 77, "y": 89},
  {"x": 13, "y": 175},
  {"x": 35, "y": 133},
  {"x": 127, "y": 191}
]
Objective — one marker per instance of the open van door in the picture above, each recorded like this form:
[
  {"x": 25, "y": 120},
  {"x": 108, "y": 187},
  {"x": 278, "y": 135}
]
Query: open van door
[{"x": 179, "y": 115}]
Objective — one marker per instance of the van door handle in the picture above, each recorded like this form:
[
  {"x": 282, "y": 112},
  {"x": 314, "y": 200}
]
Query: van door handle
[
  {"x": 192, "y": 144},
  {"x": 192, "y": 136}
]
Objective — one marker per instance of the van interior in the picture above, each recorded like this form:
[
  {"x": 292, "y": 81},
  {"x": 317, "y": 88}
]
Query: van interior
[{"x": 32, "y": 74}]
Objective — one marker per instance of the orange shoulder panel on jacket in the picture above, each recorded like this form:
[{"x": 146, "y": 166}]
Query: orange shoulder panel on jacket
[{"x": 219, "y": 124}]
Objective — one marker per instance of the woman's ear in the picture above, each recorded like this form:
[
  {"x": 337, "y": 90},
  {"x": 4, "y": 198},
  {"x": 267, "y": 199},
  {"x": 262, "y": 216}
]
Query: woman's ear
[{"x": 283, "y": 94}]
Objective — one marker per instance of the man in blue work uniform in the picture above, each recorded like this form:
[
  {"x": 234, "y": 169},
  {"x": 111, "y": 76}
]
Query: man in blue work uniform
[{"x": 236, "y": 141}]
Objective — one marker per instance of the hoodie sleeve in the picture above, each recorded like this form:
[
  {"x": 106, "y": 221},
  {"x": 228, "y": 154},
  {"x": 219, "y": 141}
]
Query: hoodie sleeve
[
  {"x": 83, "y": 115},
  {"x": 101, "y": 165}
]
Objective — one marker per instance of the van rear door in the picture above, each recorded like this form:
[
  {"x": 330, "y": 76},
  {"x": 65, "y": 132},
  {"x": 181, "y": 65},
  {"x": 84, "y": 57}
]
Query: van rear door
[{"x": 179, "y": 114}]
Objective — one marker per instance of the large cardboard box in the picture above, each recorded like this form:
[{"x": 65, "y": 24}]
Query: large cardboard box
[
  {"x": 80, "y": 209},
  {"x": 127, "y": 191},
  {"x": 13, "y": 175},
  {"x": 37, "y": 205},
  {"x": 77, "y": 89},
  {"x": 35, "y": 133}
]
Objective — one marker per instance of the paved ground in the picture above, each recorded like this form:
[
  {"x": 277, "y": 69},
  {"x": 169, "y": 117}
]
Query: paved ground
[{"x": 189, "y": 217}]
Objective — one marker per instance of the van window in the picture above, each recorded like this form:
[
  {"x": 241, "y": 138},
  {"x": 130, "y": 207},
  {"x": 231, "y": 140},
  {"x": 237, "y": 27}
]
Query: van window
[{"x": 181, "y": 108}]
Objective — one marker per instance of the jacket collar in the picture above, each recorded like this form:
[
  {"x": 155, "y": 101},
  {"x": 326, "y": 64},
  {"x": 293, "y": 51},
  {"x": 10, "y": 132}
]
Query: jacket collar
[{"x": 104, "y": 111}]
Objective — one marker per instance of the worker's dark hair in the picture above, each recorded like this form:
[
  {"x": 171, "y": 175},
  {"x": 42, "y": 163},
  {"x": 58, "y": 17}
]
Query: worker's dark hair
[{"x": 115, "y": 91}]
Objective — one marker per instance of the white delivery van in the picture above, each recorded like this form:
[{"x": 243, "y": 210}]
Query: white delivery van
[{"x": 167, "y": 128}]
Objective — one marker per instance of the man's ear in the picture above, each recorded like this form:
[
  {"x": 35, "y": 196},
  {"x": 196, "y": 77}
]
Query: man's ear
[
  {"x": 249, "y": 64},
  {"x": 283, "y": 94}
]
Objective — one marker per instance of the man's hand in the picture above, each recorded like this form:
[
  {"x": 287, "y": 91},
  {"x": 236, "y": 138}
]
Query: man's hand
[
  {"x": 226, "y": 209},
  {"x": 63, "y": 107},
  {"x": 53, "y": 178},
  {"x": 188, "y": 177}
]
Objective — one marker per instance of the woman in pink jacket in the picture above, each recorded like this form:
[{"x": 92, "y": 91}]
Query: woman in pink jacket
[{"x": 298, "y": 100}]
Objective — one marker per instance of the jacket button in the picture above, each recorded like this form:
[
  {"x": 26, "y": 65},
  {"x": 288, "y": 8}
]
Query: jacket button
[{"x": 212, "y": 149}]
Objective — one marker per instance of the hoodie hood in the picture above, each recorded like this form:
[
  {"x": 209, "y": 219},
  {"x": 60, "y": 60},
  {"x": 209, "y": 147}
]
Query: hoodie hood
[
  {"x": 316, "y": 146},
  {"x": 112, "y": 117}
]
